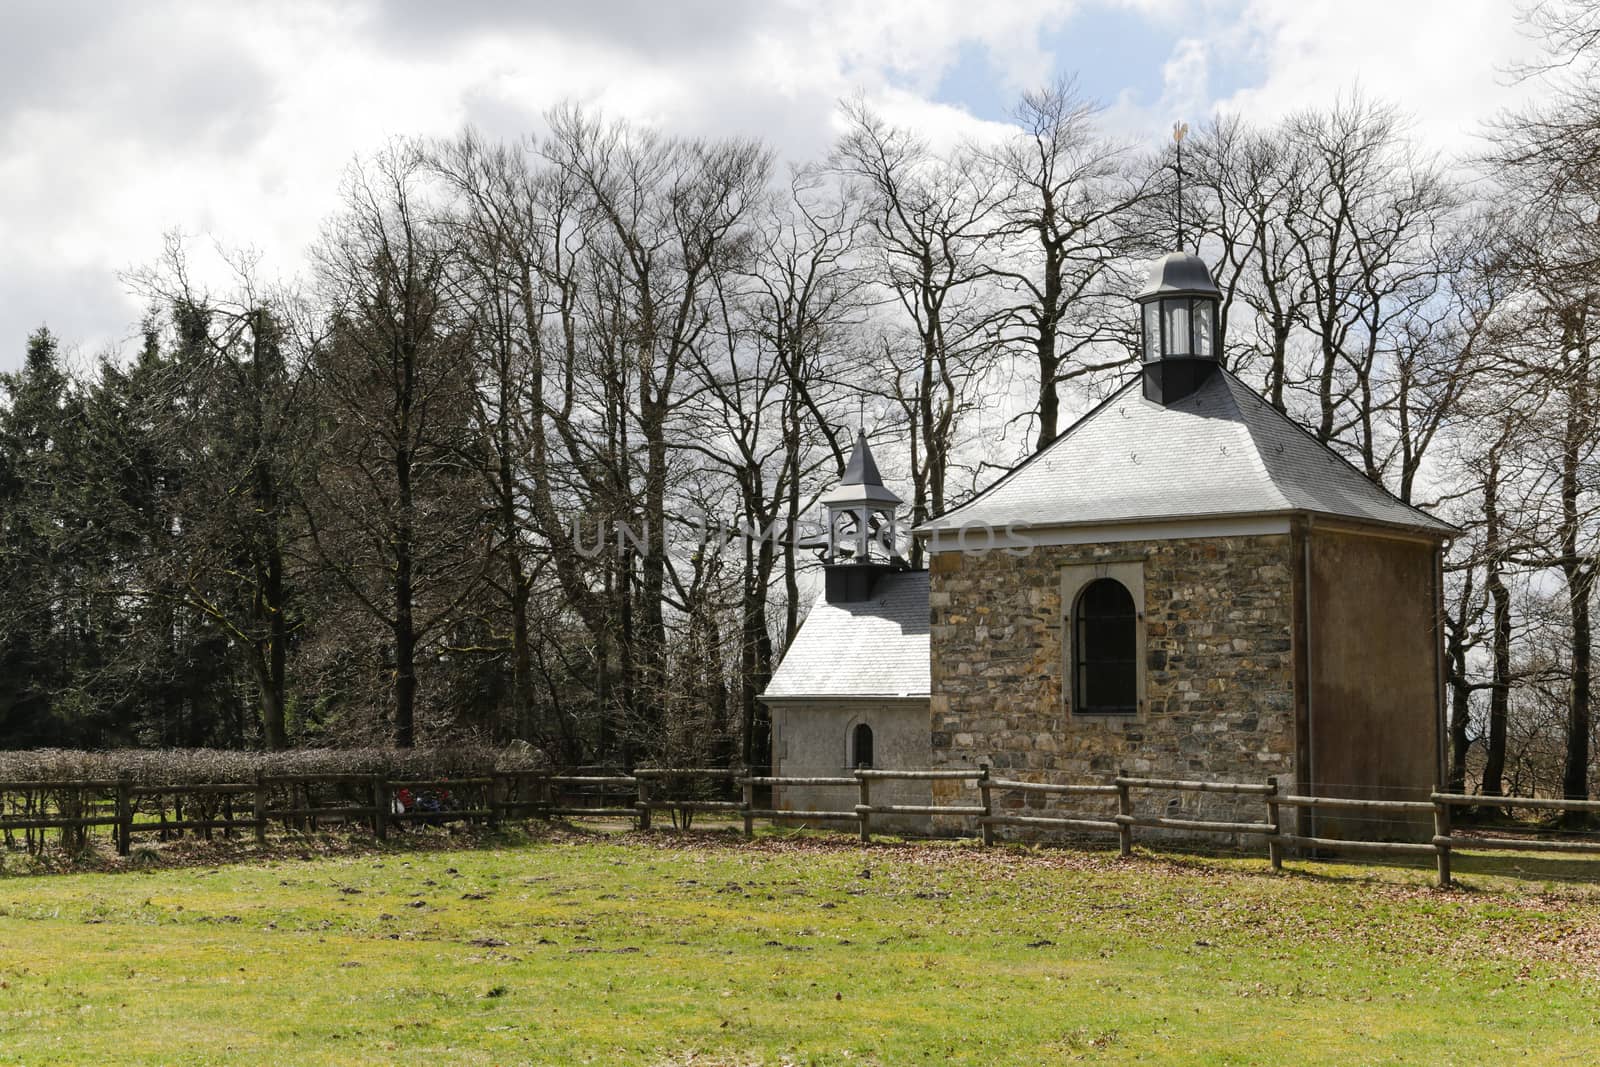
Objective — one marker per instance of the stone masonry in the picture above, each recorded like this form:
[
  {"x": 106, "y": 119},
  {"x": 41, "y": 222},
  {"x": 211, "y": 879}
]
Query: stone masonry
[{"x": 1219, "y": 670}]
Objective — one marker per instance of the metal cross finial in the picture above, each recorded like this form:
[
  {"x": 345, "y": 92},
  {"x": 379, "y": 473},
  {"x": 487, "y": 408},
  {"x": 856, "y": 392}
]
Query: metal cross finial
[{"x": 1180, "y": 130}]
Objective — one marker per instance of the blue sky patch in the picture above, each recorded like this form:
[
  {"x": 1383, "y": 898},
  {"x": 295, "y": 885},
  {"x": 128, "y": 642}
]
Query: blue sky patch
[{"x": 1115, "y": 53}]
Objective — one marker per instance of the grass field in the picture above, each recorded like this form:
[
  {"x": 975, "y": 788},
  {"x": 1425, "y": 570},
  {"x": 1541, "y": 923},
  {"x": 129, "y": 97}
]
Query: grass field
[{"x": 662, "y": 949}]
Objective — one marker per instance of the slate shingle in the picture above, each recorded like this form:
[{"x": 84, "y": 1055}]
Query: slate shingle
[
  {"x": 1221, "y": 451},
  {"x": 872, "y": 648}
]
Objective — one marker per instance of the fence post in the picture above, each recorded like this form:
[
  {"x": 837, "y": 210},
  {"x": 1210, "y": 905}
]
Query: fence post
[
  {"x": 496, "y": 793},
  {"x": 1441, "y": 838},
  {"x": 1274, "y": 816},
  {"x": 986, "y": 829},
  {"x": 863, "y": 802},
  {"x": 258, "y": 810},
  {"x": 749, "y": 804},
  {"x": 547, "y": 796},
  {"x": 69, "y": 805},
  {"x": 1125, "y": 813},
  {"x": 642, "y": 805},
  {"x": 124, "y": 812},
  {"x": 380, "y": 806}
]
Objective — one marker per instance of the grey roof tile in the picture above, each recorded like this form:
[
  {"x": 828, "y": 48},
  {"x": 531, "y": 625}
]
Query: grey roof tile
[
  {"x": 872, "y": 648},
  {"x": 1222, "y": 451},
  {"x": 861, "y": 481}
]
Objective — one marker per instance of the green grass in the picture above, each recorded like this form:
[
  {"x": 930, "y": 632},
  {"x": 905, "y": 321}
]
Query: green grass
[{"x": 662, "y": 949}]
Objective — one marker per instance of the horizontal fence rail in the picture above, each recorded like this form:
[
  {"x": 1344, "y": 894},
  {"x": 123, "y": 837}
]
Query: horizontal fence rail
[{"x": 308, "y": 802}]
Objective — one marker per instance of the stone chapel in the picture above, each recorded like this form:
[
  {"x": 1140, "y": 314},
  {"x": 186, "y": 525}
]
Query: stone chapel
[{"x": 1185, "y": 583}]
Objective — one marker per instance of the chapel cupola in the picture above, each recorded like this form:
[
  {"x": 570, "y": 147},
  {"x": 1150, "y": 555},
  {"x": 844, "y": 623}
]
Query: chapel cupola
[
  {"x": 862, "y": 530},
  {"x": 1179, "y": 325}
]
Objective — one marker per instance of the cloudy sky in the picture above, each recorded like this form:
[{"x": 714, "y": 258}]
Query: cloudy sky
[{"x": 120, "y": 122}]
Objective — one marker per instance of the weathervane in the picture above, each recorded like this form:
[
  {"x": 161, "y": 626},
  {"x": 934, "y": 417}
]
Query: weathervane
[{"x": 1180, "y": 130}]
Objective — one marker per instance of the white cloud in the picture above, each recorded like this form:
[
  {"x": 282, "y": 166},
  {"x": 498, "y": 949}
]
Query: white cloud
[
  {"x": 118, "y": 123},
  {"x": 1441, "y": 60},
  {"x": 1185, "y": 77}
]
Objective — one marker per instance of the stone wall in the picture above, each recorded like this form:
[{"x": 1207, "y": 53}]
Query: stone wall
[{"x": 1219, "y": 670}]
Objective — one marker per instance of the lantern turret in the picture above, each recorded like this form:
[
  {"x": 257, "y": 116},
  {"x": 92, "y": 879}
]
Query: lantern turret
[
  {"x": 1178, "y": 314},
  {"x": 862, "y": 528}
]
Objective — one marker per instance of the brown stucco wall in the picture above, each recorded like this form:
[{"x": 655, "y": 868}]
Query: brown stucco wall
[
  {"x": 1219, "y": 684},
  {"x": 1374, "y": 651}
]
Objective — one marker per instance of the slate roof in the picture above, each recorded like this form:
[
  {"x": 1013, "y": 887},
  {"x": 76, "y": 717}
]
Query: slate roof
[
  {"x": 1179, "y": 274},
  {"x": 1222, "y": 451},
  {"x": 870, "y": 648},
  {"x": 861, "y": 482}
]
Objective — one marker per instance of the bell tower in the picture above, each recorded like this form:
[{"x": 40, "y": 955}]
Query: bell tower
[{"x": 862, "y": 529}]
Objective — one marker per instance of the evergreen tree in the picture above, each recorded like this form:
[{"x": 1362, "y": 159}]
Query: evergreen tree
[{"x": 37, "y": 635}]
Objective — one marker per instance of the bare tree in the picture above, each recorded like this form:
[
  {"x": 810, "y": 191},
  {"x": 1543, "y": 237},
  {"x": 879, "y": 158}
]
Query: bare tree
[
  {"x": 1369, "y": 240},
  {"x": 662, "y": 218},
  {"x": 1243, "y": 183},
  {"x": 929, "y": 218},
  {"x": 763, "y": 399},
  {"x": 1547, "y": 168},
  {"x": 504, "y": 235},
  {"x": 393, "y": 508},
  {"x": 1063, "y": 199}
]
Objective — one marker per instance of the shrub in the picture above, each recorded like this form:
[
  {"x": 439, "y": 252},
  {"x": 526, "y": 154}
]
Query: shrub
[{"x": 193, "y": 766}]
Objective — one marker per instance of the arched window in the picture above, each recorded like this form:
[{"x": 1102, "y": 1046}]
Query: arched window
[
  {"x": 861, "y": 746},
  {"x": 1105, "y": 642}
]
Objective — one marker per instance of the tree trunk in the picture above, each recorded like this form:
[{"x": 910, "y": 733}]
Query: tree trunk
[
  {"x": 1579, "y": 574},
  {"x": 1044, "y": 340},
  {"x": 405, "y": 661},
  {"x": 273, "y": 682},
  {"x": 1575, "y": 773},
  {"x": 404, "y": 626},
  {"x": 652, "y": 635},
  {"x": 521, "y": 657},
  {"x": 1500, "y": 688},
  {"x": 517, "y": 585},
  {"x": 264, "y": 663},
  {"x": 1460, "y": 712},
  {"x": 1049, "y": 401},
  {"x": 1500, "y": 636},
  {"x": 756, "y": 653}
]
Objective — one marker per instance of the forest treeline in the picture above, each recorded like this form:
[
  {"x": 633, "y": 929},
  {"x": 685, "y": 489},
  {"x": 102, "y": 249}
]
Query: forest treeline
[{"x": 533, "y": 450}]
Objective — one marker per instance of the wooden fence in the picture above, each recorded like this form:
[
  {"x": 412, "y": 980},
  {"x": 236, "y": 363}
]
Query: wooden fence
[{"x": 318, "y": 801}]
